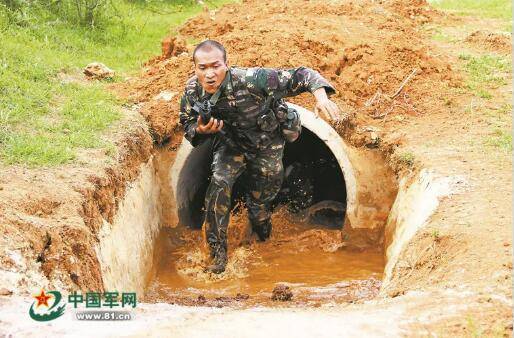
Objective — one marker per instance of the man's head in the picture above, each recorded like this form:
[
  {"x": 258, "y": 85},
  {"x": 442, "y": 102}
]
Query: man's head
[{"x": 210, "y": 60}]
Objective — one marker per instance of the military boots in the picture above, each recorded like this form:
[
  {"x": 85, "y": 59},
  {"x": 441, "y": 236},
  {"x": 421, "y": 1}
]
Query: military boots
[{"x": 220, "y": 260}]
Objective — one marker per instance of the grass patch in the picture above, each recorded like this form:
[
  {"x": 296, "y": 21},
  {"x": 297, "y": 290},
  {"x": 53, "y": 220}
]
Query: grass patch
[
  {"x": 497, "y": 9},
  {"x": 501, "y": 116},
  {"x": 43, "y": 121},
  {"x": 51, "y": 138},
  {"x": 485, "y": 72},
  {"x": 406, "y": 158},
  {"x": 504, "y": 110},
  {"x": 501, "y": 139},
  {"x": 500, "y": 126}
]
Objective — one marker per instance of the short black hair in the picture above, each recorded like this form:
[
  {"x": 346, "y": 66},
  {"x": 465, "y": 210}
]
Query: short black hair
[{"x": 208, "y": 45}]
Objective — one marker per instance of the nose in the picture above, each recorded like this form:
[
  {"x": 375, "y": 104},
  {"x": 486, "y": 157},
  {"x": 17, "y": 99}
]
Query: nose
[{"x": 209, "y": 74}]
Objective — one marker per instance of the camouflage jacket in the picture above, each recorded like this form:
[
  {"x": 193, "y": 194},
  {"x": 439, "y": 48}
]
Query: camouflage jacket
[{"x": 242, "y": 99}]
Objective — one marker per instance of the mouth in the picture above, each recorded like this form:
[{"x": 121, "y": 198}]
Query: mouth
[{"x": 211, "y": 82}]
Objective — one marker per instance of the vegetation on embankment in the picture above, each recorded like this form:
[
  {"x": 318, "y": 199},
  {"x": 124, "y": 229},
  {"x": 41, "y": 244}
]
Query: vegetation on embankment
[
  {"x": 487, "y": 74},
  {"x": 498, "y": 9},
  {"x": 47, "y": 110}
]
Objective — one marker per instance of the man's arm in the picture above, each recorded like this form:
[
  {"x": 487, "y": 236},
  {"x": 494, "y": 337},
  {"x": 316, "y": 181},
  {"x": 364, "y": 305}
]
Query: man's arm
[
  {"x": 189, "y": 121},
  {"x": 292, "y": 82},
  {"x": 325, "y": 105},
  {"x": 289, "y": 82}
]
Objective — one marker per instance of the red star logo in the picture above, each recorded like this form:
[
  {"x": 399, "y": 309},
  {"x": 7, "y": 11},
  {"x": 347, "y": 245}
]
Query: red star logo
[{"x": 42, "y": 299}]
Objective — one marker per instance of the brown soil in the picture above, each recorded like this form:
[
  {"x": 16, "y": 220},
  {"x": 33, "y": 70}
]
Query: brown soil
[
  {"x": 357, "y": 60},
  {"x": 366, "y": 49},
  {"x": 492, "y": 41}
]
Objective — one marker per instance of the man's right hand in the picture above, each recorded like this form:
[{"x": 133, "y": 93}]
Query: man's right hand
[{"x": 212, "y": 127}]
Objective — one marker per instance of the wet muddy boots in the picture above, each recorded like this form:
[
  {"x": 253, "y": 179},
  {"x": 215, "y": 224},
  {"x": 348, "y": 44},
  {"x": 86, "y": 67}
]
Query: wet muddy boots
[
  {"x": 219, "y": 262},
  {"x": 219, "y": 251}
]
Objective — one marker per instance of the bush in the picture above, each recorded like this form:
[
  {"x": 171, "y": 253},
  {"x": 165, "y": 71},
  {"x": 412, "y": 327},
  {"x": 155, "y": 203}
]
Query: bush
[
  {"x": 86, "y": 13},
  {"x": 13, "y": 5}
]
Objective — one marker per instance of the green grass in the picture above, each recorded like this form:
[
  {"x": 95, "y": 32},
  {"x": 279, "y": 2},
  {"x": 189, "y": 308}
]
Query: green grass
[
  {"x": 500, "y": 126},
  {"x": 44, "y": 121},
  {"x": 485, "y": 72},
  {"x": 501, "y": 130},
  {"x": 52, "y": 136},
  {"x": 504, "y": 111},
  {"x": 436, "y": 235},
  {"x": 501, "y": 117},
  {"x": 501, "y": 139},
  {"x": 497, "y": 9},
  {"x": 407, "y": 158}
]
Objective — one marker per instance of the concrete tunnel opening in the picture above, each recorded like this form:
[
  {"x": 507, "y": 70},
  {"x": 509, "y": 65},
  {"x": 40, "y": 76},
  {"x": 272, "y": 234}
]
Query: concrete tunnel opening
[
  {"x": 167, "y": 202},
  {"x": 314, "y": 182},
  {"x": 310, "y": 239}
]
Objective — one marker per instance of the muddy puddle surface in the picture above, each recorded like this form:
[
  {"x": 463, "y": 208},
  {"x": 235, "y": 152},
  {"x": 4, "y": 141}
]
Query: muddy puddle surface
[{"x": 310, "y": 259}]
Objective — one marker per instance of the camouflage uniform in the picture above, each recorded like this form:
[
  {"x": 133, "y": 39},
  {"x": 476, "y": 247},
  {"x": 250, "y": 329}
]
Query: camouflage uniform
[{"x": 249, "y": 144}]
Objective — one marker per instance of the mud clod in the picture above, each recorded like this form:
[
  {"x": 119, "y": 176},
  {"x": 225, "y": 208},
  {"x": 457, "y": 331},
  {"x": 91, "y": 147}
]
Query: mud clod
[
  {"x": 173, "y": 46},
  {"x": 201, "y": 299},
  {"x": 282, "y": 293},
  {"x": 242, "y": 296},
  {"x": 74, "y": 277}
]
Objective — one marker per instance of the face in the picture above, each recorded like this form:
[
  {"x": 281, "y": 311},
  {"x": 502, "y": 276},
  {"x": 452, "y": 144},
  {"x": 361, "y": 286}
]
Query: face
[{"x": 210, "y": 69}]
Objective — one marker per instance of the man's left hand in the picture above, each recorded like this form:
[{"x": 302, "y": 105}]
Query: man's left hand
[{"x": 325, "y": 105}]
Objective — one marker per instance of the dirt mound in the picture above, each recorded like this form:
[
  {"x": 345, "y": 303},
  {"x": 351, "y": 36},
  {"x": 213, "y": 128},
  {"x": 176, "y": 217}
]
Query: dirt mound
[
  {"x": 417, "y": 10},
  {"x": 364, "y": 48},
  {"x": 492, "y": 41}
]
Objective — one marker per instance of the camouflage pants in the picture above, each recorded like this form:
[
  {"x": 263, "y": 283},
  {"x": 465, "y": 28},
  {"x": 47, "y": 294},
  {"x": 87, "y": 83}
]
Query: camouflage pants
[{"x": 265, "y": 172}]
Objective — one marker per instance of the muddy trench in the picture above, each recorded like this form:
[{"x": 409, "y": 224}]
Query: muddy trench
[{"x": 339, "y": 224}]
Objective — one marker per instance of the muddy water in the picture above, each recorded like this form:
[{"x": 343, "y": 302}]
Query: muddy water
[{"x": 312, "y": 260}]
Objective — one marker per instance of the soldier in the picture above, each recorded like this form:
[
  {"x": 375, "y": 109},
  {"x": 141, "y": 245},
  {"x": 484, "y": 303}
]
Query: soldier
[{"x": 250, "y": 124}]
